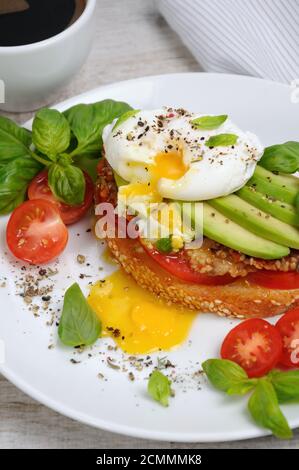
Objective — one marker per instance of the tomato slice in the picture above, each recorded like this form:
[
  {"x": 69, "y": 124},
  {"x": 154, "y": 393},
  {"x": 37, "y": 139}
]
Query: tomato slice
[
  {"x": 178, "y": 265},
  {"x": 275, "y": 280},
  {"x": 35, "y": 232},
  {"x": 39, "y": 189},
  {"x": 255, "y": 345},
  {"x": 288, "y": 326}
]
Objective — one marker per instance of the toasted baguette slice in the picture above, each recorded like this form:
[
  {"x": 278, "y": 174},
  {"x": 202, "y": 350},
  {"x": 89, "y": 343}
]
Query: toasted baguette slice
[{"x": 239, "y": 299}]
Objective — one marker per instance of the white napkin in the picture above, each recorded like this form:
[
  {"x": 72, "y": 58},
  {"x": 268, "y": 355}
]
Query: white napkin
[{"x": 250, "y": 37}]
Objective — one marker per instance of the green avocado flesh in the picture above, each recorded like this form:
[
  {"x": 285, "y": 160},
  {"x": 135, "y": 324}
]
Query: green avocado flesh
[
  {"x": 281, "y": 210},
  {"x": 282, "y": 187},
  {"x": 119, "y": 180},
  {"x": 257, "y": 221},
  {"x": 219, "y": 228},
  {"x": 260, "y": 220}
]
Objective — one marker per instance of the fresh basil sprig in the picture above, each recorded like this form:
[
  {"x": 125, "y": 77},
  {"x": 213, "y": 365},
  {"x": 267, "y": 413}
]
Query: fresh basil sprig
[
  {"x": 51, "y": 133},
  {"x": 17, "y": 166},
  {"x": 67, "y": 183},
  {"x": 209, "y": 122},
  {"x": 79, "y": 324},
  {"x": 87, "y": 122},
  {"x": 159, "y": 387},
  {"x": 264, "y": 408},
  {"x": 283, "y": 158},
  {"x": 267, "y": 392},
  {"x": 286, "y": 384},
  {"x": 14, "y": 141},
  {"x": 228, "y": 376},
  {"x": 14, "y": 179},
  {"x": 222, "y": 140},
  {"x": 65, "y": 143}
]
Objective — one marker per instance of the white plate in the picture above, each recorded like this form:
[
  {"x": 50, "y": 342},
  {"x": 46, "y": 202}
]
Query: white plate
[{"x": 116, "y": 404}]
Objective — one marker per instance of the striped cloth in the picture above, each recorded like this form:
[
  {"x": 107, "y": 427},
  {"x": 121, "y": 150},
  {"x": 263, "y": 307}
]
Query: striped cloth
[{"x": 250, "y": 37}]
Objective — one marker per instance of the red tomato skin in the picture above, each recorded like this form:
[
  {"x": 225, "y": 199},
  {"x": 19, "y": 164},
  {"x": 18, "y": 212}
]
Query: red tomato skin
[
  {"x": 275, "y": 280},
  {"x": 35, "y": 252},
  {"x": 288, "y": 326},
  {"x": 178, "y": 265},
  {"x": 242, "y": 333},
  {"x": 39, "y": 189}
]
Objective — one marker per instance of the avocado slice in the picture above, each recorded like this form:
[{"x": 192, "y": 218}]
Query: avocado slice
[
  {"x": 281, "y": 210},
  {"x": 257, "y": 221},
  {"x": 119, "y": 180},
  {"x": 282, "y": 187},
  {"x": 217, "y": 227}
]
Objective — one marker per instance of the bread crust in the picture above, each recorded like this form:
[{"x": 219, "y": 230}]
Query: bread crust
[{"x": 237, "y": 300}]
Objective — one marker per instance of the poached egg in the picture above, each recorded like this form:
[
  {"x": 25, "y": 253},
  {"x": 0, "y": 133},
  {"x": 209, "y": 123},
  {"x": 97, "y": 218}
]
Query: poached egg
[{"x": 162, "y": 154}]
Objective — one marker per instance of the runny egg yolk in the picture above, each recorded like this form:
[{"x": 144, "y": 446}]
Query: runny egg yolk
[
  {"x": 139, "y": 322},
  {"x": 168, "y": 165}
]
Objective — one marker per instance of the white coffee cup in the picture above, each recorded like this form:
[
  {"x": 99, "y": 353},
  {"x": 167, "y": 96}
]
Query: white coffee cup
[{"x": 30, "y": 75}]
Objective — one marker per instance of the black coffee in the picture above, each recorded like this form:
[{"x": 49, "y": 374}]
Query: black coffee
[{"x": 37, "y": 20}]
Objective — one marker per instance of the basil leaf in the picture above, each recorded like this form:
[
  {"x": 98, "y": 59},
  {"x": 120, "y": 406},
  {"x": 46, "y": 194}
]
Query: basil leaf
[
  {"x": 222, "y": 140},
  {"x": 14, "y": 179},
  {"x": 14, "y": 141},
  {"x": 67, "y": 183},
  {"x": 159, "y": 387},
  {"x": 164, "y": 245},
  {"x": 283, "y": 157},
  {"x": 88, "y": 164},
  {"x": 264, "y": 408},
  {"x": 87, "y": 122},
  {"x": 79, "y": 324},
  {"x": 209, "y": 122},
  {"x": 286, "y": 385},
  {"x": 228, "y": 376},
  {"x": 51, "y": 133},
  {"x": 125, "y": 116}
]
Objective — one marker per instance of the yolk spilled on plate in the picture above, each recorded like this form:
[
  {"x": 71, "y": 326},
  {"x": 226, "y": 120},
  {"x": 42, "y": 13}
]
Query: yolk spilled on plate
[{"x": 138, "y": 321}]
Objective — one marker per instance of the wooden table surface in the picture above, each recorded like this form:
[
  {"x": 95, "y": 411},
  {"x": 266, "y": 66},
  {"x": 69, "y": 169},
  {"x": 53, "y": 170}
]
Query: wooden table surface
[{"x": 132, "y": 40}]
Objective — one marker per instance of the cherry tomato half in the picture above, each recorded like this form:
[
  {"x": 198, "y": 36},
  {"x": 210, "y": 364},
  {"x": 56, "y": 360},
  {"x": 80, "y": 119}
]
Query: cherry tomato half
[
  {"x": 275, "y": 280},
  {"x": 39, "y": 189},
  {"x": 255, "y": 345},
  {"x": 35, "y": 232},
  {"x": 288, "y": 326},
  {"x": 178, "y": 265}
]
